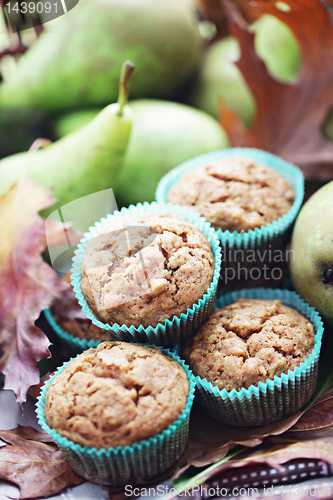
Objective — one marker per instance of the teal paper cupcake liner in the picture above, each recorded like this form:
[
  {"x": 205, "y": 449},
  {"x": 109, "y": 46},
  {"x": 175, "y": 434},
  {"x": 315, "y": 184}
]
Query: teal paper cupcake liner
[
  {"x": 128, "y": 464},
  {"x": 242, "y": 252},
  {"x": 171, "y": 331},
  {"x": 74, "y": 344},
  {"x": 275, "y": 399}
]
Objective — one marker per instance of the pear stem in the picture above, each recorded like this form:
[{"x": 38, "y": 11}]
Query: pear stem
[
  {"x": 39, "y": 143},
  {"x": 125, "y": 76}
]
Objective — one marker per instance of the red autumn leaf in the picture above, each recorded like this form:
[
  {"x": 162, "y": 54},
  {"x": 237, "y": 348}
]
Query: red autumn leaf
[
  {"x": 27, "y": 284},
  {"x": 33, "y": 462},
  {"x": 289, "y": 117},
  {"x": 211, "y": 10}
]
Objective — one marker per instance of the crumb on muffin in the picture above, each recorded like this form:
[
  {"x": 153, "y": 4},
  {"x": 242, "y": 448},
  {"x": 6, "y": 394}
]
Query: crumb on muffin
[
  {"x": 151, "y": 269},
  {"x": 115, "y": 395},
  {"x": 234, "y": 193},
  {"x": 247, "y": 342}
]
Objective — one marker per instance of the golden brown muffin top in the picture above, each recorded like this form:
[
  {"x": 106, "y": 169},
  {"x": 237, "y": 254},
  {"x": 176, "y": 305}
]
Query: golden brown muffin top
[
  {"x": 247, "y": 342},
  {"x": 149, "y": 270},
  {"x": 234, "y": 193},
  {"x": 116, "y": 395}
]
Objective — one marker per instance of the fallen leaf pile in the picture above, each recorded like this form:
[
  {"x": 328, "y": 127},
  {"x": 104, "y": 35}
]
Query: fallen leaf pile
[
  {"x": 34, "y": 463},
  {"x": 290, "y": 117},
  {"x": 27, "y": 284}
]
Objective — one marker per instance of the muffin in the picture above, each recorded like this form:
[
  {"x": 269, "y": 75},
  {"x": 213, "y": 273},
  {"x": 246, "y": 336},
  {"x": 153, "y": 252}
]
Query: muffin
[
  {"x": 115, "y": 395},
  {"x": 68, "y": 315},
  {"x": 256, "y": 358},
  {"x": 252, "y": 198},
  {"x": 248, "y": 342},
  {"x": 234, "y": 193},
  {"x": 119, "y": 412},
  {"x": 152, "y": 269}
]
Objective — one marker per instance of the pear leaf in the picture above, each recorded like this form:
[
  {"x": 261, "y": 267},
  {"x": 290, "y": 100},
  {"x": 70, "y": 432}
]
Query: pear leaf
[
  {"x": 33, "y": 462},
  {"x": 27, "y": 284},
  {"x": 290, "y": 117}
]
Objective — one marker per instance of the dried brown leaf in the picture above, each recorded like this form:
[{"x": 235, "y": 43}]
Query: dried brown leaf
[
  {"x": 210, "y": 441},
  {"x": 34, "y": 390},
  {"x": 27, "y": 284},
  {"x": 67, "y": 307},
  {"x": 289, "y": 117},
  {"x": 276, "y": 451},
  {"x": 318, "y": 416},
  {"x": 211, "y": 10},
  {"x": 33, "y": 462}
]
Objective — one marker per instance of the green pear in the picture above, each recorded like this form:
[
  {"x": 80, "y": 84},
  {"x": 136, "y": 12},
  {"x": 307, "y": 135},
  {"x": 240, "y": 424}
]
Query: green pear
[
  {"x": 164, "y": 135},
  {"x": 278, "y": 47},
  {"x": 219, "y": 76},
  {"x": 83, "y": 162},
  {"x": 311, "y": 257},
  {"x": 77, "y": 61}
]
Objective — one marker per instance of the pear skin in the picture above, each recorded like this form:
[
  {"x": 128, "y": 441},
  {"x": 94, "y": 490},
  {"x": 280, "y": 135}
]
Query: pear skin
[
  {"x": 78, "y": 60},
  {"x": 220, "y": 78},
  {"x": 164, "y": 135},
  {"x": 311, "y": 257},
  {"x": 83, "y": 162}
]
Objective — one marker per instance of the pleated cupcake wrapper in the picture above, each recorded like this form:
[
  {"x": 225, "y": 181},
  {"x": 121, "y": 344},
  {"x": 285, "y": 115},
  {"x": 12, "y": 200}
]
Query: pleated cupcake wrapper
[
  {"x": 171, "y": 331},
  {"x": 128, "y": 464},
  {"x": 75, "y": 344},
  {"x": 276, "y": 399},
  {"x": 270, "y": 238}
]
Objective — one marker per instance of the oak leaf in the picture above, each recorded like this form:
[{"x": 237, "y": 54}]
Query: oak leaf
[
  {"x": 27, "y": 284},
  {"x": 34, "y": 463},
  {"x": 290, "y": 117}
]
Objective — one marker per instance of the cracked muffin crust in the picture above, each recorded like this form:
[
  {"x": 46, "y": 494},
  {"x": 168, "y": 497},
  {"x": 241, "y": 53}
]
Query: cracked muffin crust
[
  {"x": 144, "y": 270},
  {"x": 116, "y": 395},
  {"x": 247, "y": 342},
  {"x": 67, "y": 312},
  {"x": 235, "y": 193}
]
